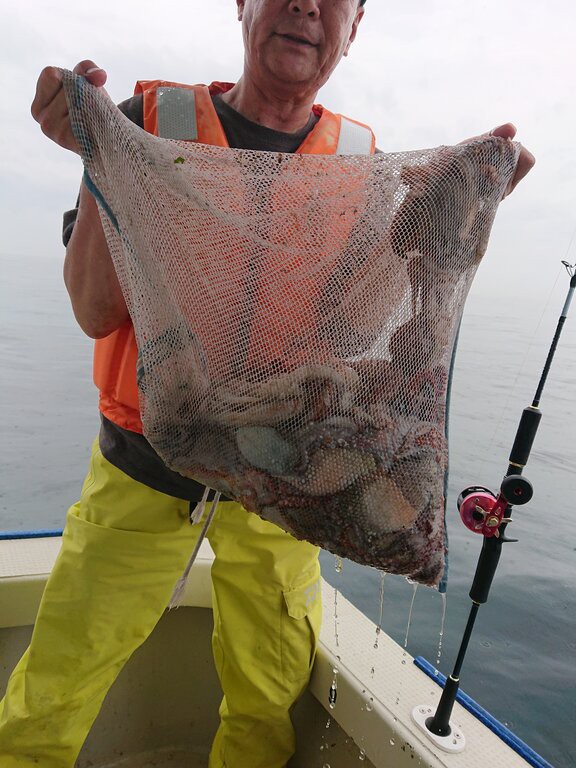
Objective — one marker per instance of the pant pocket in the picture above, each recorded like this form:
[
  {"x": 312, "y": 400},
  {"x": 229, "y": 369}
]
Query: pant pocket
[{"x": 300, "y": 629}]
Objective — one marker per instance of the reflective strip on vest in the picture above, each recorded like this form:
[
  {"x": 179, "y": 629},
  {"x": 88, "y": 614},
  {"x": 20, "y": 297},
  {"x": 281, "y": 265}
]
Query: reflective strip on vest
[
  {"x": 177, "y": 120},
  {"x": 354, "y": 139},
  {"x": 177, "y": 114}
]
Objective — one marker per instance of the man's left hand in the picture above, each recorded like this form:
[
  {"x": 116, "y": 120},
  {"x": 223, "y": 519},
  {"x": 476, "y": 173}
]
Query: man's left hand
[{"x": 526, "y": 159}]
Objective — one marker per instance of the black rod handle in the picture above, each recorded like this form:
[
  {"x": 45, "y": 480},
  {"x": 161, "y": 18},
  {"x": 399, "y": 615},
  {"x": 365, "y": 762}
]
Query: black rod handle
[
  {"x": 524, "y": 439},
  {"x": 485, "y": 569}
]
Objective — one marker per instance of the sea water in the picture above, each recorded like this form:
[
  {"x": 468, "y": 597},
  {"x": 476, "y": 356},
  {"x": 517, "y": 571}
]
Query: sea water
[{"x": 521, "y": 660}]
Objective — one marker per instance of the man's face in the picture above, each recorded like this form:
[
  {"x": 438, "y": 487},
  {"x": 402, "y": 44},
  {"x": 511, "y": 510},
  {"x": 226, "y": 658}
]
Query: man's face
[{"x": 297, "y": 42}]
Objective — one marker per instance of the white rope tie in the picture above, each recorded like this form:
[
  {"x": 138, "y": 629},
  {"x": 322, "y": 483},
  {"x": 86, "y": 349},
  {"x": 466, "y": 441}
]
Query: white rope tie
[
  {"x": 200, "y": 508},
  {"x": 178, "y": 593}
]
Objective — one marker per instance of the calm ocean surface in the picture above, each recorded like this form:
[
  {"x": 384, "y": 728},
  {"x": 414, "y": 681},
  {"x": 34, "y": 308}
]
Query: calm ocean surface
[{"x": 521, "y": 664}]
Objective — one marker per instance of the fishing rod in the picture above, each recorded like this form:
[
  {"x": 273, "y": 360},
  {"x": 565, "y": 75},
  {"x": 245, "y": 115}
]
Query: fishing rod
[{"x": 489, "y": 514}]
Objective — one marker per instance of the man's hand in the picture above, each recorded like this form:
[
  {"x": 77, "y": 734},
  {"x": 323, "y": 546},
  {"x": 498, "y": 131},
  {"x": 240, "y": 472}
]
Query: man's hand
[
  {"x": 89, "y": 273},
  {"x": 526, "y": 159},
  {"x": 49, "y": 107}
]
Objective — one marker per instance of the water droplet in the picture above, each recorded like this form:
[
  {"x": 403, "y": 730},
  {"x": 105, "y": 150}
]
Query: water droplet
[
  {"x": 336, "y": 639},
  {"x": 372, "y": 672},
  {"x": 338, "y": 564},
  {"x": 392, "y": 742},
  {"x": 325, "y": 765},
  {"x": 328, "y": 723},
  {"x": 369, "y": 705},
  {"x": 362, "y": 755},
  {"x": 439, "y": 654},
  {"x": 415, "y": 587},
  {"x": 333, "y": 692},
  {"x": 379, "y": 625},
  {"x": 403, "y": 661}
]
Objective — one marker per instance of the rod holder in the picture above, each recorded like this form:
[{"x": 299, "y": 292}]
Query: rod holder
[{"x": 439, "y": 723}]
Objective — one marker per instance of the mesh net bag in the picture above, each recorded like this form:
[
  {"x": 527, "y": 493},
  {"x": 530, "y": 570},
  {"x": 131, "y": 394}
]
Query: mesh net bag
[{"x": 296, "y": 317}]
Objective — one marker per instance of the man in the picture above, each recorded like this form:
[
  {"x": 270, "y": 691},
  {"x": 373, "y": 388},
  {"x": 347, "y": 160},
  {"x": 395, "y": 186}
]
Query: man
[{"x": 128, "y": 538}]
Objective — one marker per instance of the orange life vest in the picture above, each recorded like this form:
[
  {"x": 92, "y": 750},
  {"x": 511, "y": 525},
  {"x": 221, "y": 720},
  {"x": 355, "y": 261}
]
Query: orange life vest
[{"x": 185, "y": 112}]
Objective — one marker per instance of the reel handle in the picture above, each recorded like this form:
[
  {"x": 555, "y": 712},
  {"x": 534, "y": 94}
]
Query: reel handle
[{"x": 516, "y": 489}]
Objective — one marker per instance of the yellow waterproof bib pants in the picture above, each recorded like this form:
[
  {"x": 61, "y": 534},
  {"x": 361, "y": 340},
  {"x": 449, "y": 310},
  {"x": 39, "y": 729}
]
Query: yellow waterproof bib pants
[{"x": 123, "y": 549}]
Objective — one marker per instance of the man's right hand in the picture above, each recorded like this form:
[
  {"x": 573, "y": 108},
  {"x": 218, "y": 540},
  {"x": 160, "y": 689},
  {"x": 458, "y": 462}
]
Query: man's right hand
[
  {"x": 89, "y": 273},
  {"x": 49, "y": 107}
]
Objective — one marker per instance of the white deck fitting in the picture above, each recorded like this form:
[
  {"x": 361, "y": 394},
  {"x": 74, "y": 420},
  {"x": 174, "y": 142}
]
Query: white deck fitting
[
  {"x": 454, "y": 742},
  {"x": 384, "y": 730}
]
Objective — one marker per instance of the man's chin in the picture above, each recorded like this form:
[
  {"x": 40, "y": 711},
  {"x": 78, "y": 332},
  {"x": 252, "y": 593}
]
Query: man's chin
[{"x": 304, "y": 77}]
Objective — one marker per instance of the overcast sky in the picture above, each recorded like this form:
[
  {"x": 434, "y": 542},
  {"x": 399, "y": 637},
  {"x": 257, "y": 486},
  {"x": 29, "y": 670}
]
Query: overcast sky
[{"x": 421, "y": 72}]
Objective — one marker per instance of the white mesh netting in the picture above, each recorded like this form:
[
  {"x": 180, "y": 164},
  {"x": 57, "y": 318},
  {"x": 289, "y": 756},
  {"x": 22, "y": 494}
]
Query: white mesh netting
[{"x": 295, "y": 318}]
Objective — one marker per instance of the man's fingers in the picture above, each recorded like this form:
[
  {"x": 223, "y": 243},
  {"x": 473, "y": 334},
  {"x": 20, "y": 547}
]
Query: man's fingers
[
  {"x": 526, "y": 159},
  {"x": 55, "y": 123},
  {"x": 50, "y": 110},
  {"x": 49, "y": 106},
  {"x": 506, "y": 131},
  {"x": 49, "y": 84},
  {"x": 47, "y": 88},
  {"x": 91, "y": 71},
  {"x": 526, "y": 162}
]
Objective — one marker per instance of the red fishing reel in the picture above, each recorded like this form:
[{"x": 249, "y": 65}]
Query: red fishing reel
[{"x": 484, "y": 512}]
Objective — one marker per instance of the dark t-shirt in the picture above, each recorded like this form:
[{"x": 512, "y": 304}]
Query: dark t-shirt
[{"x": 130, "y": 451}]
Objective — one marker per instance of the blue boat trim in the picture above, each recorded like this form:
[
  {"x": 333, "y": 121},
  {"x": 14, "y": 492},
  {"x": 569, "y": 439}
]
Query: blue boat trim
[
  {"x": 41, "y": 533},
  {"x": 531, "y": 757}
]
